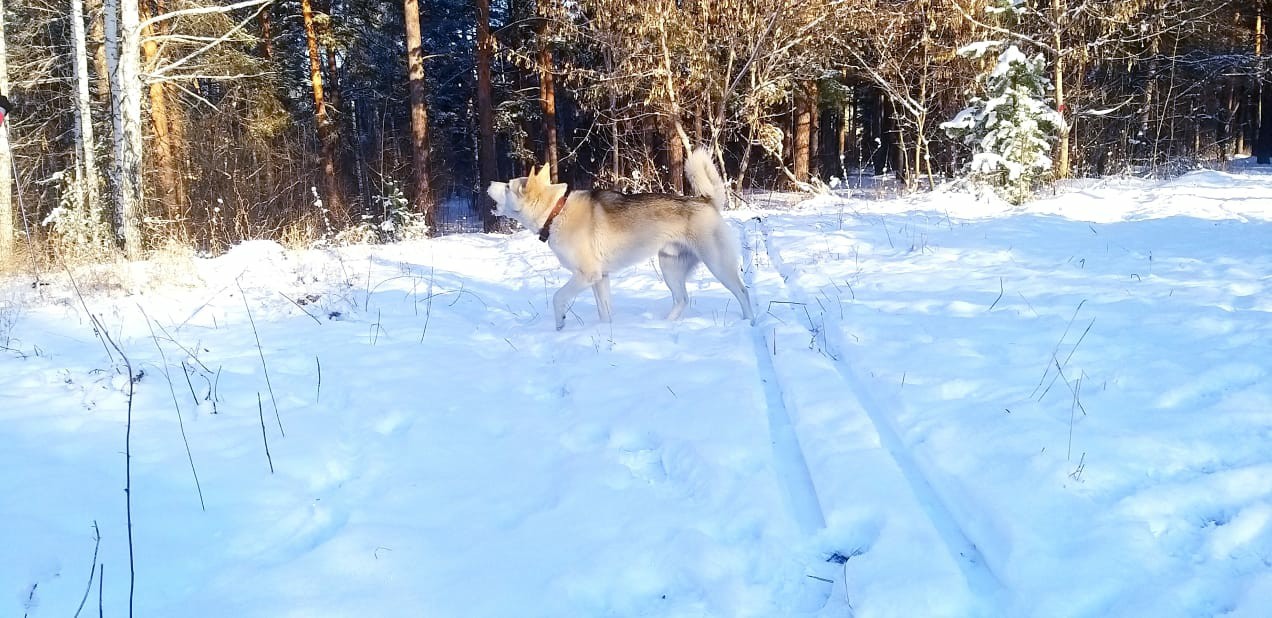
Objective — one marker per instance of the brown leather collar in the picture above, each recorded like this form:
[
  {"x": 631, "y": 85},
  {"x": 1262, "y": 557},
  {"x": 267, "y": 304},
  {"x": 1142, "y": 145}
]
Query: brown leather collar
[{"x": 547, "y": 225}]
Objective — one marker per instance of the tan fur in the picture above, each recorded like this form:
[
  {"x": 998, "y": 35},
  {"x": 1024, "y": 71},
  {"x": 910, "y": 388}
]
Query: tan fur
[{"x": 599, "y": 232}]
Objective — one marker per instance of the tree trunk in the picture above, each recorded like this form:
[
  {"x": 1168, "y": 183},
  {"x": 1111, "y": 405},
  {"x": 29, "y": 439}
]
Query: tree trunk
[
  {"x": 803, "y": 128},
  {"x": 487, "y": 166},
  {"x": 86, "y": 189},
  {"x": 171, "y": 192},
  {"x": 423, "y": 196},
  {"x": 1263, "y": 117},
  {"x": 547, "y": 93},
  {"x": 8, "y": 223},
  {"x": 675, "y": 157},
  {"x": 1263, "y": 140},
  {"x": 326, "y": 131},
  {"x": 97, "y": 34},
  {"x": 266, "y": 48},
  {"x": 1062, "y": 147},
  {"x": 123, "y": 57}
]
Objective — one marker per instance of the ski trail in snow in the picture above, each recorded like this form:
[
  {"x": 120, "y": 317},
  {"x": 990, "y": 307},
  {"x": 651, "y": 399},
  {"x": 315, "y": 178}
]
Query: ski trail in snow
[
  {"x": 788, "y": 458},
  {"x": 980, "y": 578}
]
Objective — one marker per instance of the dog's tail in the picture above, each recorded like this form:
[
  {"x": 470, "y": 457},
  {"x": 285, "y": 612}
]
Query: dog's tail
[{"x": 705, "y": 179}]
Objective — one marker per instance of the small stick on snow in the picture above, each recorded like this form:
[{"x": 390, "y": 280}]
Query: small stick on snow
[
  {"x": 1000, "y": 296},
  {"x": 260, "y": 410},
  {"x": 301, "y": 307},
  {"x": 261, "y": 352},
  {"x": 97, "y": 544}
]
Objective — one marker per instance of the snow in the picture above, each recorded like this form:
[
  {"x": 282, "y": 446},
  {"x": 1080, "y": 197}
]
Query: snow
[{"x": 949, "y": 407}]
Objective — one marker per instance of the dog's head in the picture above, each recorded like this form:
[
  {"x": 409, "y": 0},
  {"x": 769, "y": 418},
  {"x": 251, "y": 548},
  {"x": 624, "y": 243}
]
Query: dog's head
[{"x": 515, "y": 197}]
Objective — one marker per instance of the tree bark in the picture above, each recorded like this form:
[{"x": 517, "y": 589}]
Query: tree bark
[
  {"x": 123, "y": 57},
  {"x": 1062, "y": 147},
  {"x": 97, "y": 34},
  {"x": 86, "y": 157},
  {"x": 266, "y": 48},
  {"x": 8, "y": 223},
  {"x": 803, "y": 128},
  {"x": 172, "y": 192},
  {"x": 487, "y": 166},
  {"x": 326, "y": 131},
  {"x": 1263, "y": 117},
  {"x": 422, "y": 194},
  {"x": 547, "y": 93},
  {"x": 675, "y": 157}
]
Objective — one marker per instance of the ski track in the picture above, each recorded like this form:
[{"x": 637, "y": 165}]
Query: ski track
[
  {"x": 984, "y": 583},
  {"x": 789, "y": 461}
]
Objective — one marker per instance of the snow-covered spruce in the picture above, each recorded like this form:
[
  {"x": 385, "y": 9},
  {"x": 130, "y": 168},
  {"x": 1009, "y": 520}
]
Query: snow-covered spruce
[{"x": 1010, "y": 129}]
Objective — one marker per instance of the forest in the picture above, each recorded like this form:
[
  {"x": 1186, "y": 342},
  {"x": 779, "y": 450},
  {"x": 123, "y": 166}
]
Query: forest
[{"x": 141, "y": 123}]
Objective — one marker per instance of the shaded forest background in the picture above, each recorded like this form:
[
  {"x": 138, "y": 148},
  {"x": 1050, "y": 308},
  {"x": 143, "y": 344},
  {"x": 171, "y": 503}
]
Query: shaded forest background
[{"x": 305, "y": 120}]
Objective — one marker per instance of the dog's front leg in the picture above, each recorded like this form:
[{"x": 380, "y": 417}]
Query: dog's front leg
[
  {"x": 601, "y": 290},
  {"x": 564, "y": 296}
]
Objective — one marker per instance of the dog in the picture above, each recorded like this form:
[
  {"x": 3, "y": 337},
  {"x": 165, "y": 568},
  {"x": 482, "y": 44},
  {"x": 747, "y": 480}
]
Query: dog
[{"x": 597, "y": 232}]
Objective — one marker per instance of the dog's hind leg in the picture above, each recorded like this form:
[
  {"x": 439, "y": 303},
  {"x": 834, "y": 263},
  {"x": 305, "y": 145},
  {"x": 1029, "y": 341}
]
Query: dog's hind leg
[
  {"x": 601, "y": 290},
  {"x": 578, "y": 282},
  {"x": 675, "y": 269},
  {"x": 722, "y": 259}
]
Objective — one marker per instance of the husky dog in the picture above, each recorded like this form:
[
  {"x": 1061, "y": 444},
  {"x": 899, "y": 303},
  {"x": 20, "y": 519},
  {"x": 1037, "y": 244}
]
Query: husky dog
[{"x": 595, "y": 233}]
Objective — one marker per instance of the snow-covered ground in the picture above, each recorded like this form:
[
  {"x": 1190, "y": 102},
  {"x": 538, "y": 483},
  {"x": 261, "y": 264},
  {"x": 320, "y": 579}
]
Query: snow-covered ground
[{"x": 947, "y": 408}]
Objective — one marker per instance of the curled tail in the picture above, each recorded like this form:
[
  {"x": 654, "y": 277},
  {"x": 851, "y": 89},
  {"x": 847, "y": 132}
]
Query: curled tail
[{"x": 705, "y": 179}]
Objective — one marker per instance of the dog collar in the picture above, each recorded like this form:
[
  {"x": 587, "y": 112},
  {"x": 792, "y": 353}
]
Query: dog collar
[{"x": 547, "y": 225}]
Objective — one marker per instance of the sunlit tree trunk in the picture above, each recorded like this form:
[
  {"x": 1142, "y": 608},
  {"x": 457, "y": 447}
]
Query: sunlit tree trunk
[
  {"x": 1062, "y": 148},
  {"x": 547, "y": 93},
  {"x": 804, "y": 106},
  {"x": 171, "y": 190},
  {"x": 675, "y": 156},
  {"x": 326, "y": 131},
  {"x": 423, "y": 197},
  {"x": 1263, "y": 119}
]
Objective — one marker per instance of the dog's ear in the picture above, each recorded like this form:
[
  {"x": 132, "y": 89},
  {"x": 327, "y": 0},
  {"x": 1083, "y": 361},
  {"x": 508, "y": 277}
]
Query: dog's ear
[{"x": 545, "y": 174}]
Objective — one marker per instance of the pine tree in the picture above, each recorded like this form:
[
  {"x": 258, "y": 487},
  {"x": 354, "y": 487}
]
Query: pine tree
[{"x": 1012, "y": 127}]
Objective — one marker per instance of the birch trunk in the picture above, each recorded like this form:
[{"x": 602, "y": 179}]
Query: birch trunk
[
  {"x": 86, "y": 185},
  {"x": 123, "y": 58}
]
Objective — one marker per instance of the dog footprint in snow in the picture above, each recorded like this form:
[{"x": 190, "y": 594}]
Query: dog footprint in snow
[{"x": 641, "y": 454}]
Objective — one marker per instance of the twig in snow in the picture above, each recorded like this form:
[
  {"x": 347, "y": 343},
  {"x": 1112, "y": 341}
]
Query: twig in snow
[
  {"x": 1056, "y": 351},
  {"x": 301, "y": 307},
  {"x": 260, "y": 410},
  {"x": 108, "y": 344},
  {"x": 1077, "y": 472},
  {"x": 261, "y": 352},
  {"x": 428, "y": 309},
  {"x": 97, "y": 544},
  {"x": 185, "y": 370},
  {"x": 318, "y": 390},
  {"x": 175, "y": 406},
  {"x": 1000, "y": 295}
]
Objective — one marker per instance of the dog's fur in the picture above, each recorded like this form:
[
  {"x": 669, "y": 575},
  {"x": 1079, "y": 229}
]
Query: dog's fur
[{"x": 599, "y": 232}]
